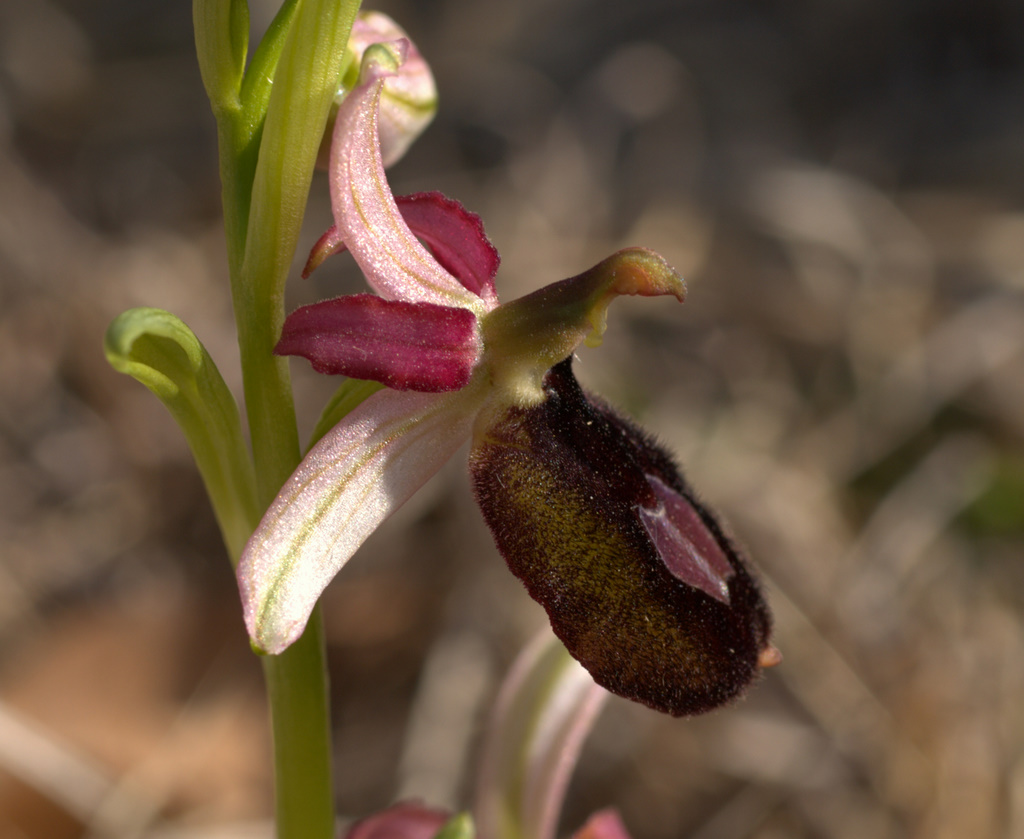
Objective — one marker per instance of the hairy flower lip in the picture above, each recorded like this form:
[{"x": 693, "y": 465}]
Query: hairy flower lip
[{"x": 564, "y": 486}]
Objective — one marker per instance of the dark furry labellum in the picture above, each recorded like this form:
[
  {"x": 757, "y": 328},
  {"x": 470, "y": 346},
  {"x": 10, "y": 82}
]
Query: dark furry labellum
[{"x": 637, "y": 577}]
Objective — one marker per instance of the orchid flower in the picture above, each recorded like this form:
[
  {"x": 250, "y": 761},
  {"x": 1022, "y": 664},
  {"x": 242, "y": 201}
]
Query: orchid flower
[
  {"x": 545, "y": 709},
  {"x": 638, "y": 578}
]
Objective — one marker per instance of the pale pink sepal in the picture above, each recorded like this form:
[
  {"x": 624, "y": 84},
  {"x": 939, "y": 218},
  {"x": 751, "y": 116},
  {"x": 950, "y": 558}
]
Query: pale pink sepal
[
  {"x": 604, "y": 824},
  {"x": 354, "y": 478},
  {"x": 406, "y": 346},
  {"x": 545, "y": 709},
  {"x": 405, "y": 820},
  {"x": 394, "y": 262}
]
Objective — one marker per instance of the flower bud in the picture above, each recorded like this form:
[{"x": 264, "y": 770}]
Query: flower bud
[{"x": 409, "y": 99}]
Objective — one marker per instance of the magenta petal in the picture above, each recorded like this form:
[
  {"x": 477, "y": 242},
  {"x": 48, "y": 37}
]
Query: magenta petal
[
  {"x": 406, "y": 346},
  {"x": 401, "y": 821},
  {"x": 605, "y": 824},
  {"x": 456, "y": 238}
]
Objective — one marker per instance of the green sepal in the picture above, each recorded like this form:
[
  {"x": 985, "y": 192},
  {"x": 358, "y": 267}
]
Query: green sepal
[
  {"x": 457, "y": 827},
  {"x": 222, "y": 40},
  {"x": 349, "y": 396},
  {"x": 155, "y": 348},
  {"x": 526, "y": 337}
]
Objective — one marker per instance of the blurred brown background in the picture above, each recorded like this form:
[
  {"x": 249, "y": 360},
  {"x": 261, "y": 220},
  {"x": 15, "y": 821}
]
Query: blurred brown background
[{"x": 842, "y": 184}]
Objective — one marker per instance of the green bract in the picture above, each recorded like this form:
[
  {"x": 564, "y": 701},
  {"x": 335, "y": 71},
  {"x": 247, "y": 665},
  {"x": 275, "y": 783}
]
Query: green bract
[{"x": 158, "y": 350}]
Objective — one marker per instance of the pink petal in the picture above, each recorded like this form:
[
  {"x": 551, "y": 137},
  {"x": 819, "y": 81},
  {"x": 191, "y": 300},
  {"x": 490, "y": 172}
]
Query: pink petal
[
  {"x": 605, "y": 824},
  {"x": 456, "y": 237},
  {"x": 401, "y": 821},
  {"x": 396, "y": 265},
  {"x": 406, "y": 346},
  {"x": 353, "y": 479}
]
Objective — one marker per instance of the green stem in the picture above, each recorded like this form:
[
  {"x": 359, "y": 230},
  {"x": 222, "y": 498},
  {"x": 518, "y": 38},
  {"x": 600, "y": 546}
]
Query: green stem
[
  {"x": 297, "y": 690},
  {"x": 305, "y": 81},
  {"x": 270, "y": 124}
]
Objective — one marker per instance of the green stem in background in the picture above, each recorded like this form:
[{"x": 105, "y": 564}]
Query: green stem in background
[{"x": 270, "y": 124}]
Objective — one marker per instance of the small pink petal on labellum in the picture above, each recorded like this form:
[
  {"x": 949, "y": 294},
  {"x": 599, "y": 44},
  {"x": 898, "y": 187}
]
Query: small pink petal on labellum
[
  {"x": 456, "y": 238},
  {"x": 684, "y": 543},
  {"x": 406, "y": 346},
  {"x": 400, "y": 821},
  {"x": 604, "y": 824}
]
